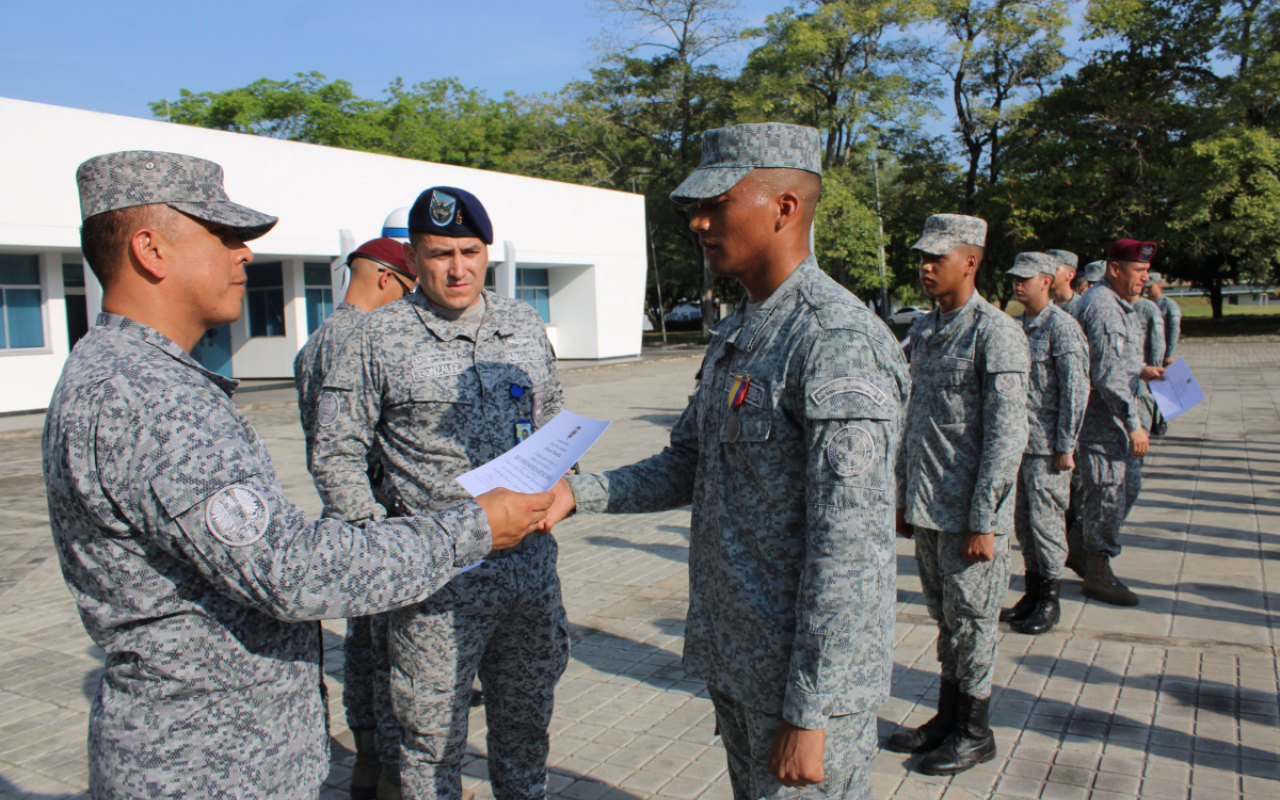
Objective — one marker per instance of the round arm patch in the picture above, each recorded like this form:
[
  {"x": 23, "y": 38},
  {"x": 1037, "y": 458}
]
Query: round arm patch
[
  {"x": 327, "y": 410},
  {"x": 851, "y": 451},
  {"x": 237, "y": 516},
  {"x": 1009, "y": 383}
]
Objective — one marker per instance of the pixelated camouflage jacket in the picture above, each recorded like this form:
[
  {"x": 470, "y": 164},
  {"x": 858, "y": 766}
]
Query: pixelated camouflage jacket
[
  {"x": 195, "y": 574},
  {"x": 435, "y": 398},
  {"x": 967, "y": 423},
  {"x": 1070, "y": 305},
  {"x": 316, "y": 359},
  {"x": 1153, "y": 337},
  {"x": 1059, "y": 388},
  {"x": 1172, "y": 323},
  {"x": 792, "y": 572},
  {"x": 1114, "y": 332}
]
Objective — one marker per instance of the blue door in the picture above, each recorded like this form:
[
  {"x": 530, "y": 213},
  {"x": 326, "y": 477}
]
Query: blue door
[{"x": 214, "y": 351}]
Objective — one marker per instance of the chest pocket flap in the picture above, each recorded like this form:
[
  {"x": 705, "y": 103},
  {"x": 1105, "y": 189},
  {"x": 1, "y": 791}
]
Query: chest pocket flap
[{"x": 852, "y": 396}]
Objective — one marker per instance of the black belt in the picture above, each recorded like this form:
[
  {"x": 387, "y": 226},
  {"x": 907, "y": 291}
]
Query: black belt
[{"x": 527, "y": 543}]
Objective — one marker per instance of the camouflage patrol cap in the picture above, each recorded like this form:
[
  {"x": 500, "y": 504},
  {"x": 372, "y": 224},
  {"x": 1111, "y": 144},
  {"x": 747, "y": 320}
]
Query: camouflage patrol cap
[
  {"x": 144, "y": 177},
  {"x": 1065, "y": 257},
  {"x": 729, "y": 154},
  {"x": 945, "y": 232},
  {"x": 1028, "y": 265},
  {"x": 1094, "y": 270}
]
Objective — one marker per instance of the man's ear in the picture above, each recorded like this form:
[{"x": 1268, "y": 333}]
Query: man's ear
[
  {"x": 407, "y": 249},
  {"x": 150, "y": 252},
  {"x": 788, "y": 208}
]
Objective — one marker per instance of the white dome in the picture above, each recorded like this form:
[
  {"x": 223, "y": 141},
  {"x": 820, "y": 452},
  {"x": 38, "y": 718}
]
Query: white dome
[{"x": 397, "y": 224}]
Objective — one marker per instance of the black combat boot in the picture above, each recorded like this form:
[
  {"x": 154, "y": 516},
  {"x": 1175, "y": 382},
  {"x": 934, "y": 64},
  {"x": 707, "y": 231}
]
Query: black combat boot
[
  {"x": 1101, "y": 583},
  {"x": 1023, "y": 608},
  {"x": 1046, "y": 613},
  {"x": 935, "y": 731},
  {"x": 365, "y": 772},
  {"x": 971, "y": 741}
]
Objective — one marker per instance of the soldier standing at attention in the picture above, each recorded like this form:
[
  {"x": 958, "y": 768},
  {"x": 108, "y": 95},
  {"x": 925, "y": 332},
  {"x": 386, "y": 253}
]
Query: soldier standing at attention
[
  {"x": 1056, "y": 399},
  {"x": 1152, "y": 353},
  {"x": 196, "y": 576},
  {"x": 957, "y": 475},
  {"x": 1093, "y": 272},
  {"x": 441, "y": 384},
  {"x": 379, "y": 275},
  {"x": 1113, "y": 440},
  {"x": 1172, "y": 316},
  {"x": 1061, "y": 292},
  {"x": 786, "y": 453}
]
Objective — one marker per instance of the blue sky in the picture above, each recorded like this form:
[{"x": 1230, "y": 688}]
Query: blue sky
[{"x": 116, "y": 57}]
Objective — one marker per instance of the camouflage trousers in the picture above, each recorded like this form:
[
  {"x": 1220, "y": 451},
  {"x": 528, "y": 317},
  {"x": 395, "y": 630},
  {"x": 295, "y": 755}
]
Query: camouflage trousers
[
  {"x": 366, "y": 690},
  {"x": 505, "y": 621},
  {"x": 747, "y": 734},
  {"x": 1111, "y": 487},
  {"x": 1040, "y": 515},
  {"x": 965, "y": 601}
]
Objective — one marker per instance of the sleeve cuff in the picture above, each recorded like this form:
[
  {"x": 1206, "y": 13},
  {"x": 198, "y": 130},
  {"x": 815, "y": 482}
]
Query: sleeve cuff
[
  {"x": 805, "y": 710},
  {"x": 1133, "y": 424},
  {"x": 468, "y": 527},
  {"x": 589, "y": 493}
]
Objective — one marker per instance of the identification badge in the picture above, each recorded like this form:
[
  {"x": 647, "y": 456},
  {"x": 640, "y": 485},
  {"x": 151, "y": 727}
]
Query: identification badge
[
  {"x": 733, "y": 428},
  {"x": 523, "y": 430}
]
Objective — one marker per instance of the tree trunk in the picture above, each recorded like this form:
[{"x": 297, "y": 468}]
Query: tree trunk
[{"x": 1215, "y": 297}]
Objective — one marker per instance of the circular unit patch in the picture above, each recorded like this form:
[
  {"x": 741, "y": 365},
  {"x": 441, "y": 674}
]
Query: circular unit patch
[
  {"x": 327, "y": 410},
  {"x": 1008, "y": 382},
  {"x": 851, "y": 451},
  {"x": 237, "y": 516}
]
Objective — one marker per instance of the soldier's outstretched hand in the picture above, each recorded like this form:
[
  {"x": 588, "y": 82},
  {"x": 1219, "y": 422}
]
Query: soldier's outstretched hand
[
  {"x": 1152, "y": 374},
  {"x": 512, "y": 515},
  {"x": 563, "y": 505},
  {"x": 1139, "y": 443}
]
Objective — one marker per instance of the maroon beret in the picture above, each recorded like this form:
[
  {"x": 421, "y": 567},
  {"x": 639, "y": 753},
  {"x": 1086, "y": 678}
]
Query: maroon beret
[
  {"x": 1131, "y": 250},
  {"x": 389, "y": 253}
]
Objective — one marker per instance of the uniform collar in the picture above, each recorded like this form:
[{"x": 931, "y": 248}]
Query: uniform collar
[
  {"x": 1125, "y": 304},
  {"x": 1031, "y": 323},
  {"x": 156, "y": 339},
  {"x": 749, "y": 331},
  {"x": 495, "y": 320},
  {"x": 958, "y": 321}
]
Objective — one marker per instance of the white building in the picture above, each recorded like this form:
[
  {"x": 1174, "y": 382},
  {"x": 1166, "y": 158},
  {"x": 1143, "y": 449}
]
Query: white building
[{"x": 576, "y": 253}]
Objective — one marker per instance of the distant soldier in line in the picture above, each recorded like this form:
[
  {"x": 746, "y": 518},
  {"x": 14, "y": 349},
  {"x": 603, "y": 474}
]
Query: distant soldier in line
[
  {"x": 1113, "y": 439},
  {"x": 957, "y": 476},
  {"x": 1172, "y": 330},
  {"x": 192, "y": 571},
  {"x": 1152, "y": 353},
  {"x": 1056, "y": 399},
  {"x": 1061, "y": 292},
  {"x": 786, "y": 454},
  {"x": 379, "y": 275},
  {"x": 1084, "y": 281}
]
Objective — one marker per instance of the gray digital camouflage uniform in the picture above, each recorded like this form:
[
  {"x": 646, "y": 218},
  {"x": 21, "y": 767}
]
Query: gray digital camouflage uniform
[
  {"x": 1172, "y": 324},
  {"x": 957, "y": 472},
  {"x": 366, "y": 668},
  {"x": 792, "y": 573},
  {"x": 1152, "y": 353},
  {"x": 1071, "y": 305},
  {"x": 1056, "y": 399},
  {"x": 435, "y": 398},
  {"x": 196, "y": 576},
  {"x": 1111, "y": 478}
]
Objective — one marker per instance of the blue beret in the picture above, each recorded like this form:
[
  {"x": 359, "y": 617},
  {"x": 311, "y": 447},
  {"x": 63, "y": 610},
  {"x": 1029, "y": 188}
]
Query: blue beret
[{"x": 446, "y": 211}]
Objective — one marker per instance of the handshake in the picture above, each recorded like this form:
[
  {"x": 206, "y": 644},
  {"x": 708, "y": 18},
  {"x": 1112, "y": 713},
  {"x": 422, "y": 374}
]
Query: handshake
[{"x": 513, "y": 516}]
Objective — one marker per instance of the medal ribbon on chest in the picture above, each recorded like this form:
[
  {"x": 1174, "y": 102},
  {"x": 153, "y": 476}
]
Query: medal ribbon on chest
[{"x": 738, "y": 391}]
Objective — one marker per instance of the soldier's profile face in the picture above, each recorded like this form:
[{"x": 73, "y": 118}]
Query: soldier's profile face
[
  {"x": 943, "y": 274},
  {"x": 210, "y": 275},
  {"x": 450, "y": 269},
  {"x": 734, "y": 229},
  {"x": 1034, "y": 288}
]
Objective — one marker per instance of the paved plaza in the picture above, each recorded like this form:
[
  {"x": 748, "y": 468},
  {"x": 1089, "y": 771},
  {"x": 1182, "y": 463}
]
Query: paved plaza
[{"x": 1174, "y": 699}]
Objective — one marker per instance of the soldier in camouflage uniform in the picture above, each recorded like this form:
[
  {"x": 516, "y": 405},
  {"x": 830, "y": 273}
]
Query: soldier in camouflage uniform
[
  {"x": 1113, "y": 439},
  {"x": 1152, "y": 353},
  {"x": 1172, "y": 316},
  {"x": 1056, "y": 399},
  {"x": 957, "y": 475},
  {"x": 195, "y": 575},
  {"x": 1061, "y": 292},
  {"x": 786, "y": 453},
  {"x": 440, "y": 384},
  {"x": 379, "y": 275}
]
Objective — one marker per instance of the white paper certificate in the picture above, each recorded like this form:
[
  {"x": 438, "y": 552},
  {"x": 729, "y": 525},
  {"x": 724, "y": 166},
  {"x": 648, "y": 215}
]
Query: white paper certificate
[
  {"x": 1178, "y": 392},
  {"x": 538, "y": 462}
]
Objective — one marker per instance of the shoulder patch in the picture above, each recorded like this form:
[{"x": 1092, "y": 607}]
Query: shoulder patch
[
  {"x": 327, "y": 409},
  {"x": 1008, "y": 382},
  {"x": 851, "y": 451},
  {"x": 237, "y": 516},
  {"x": 846, "y": 384}
]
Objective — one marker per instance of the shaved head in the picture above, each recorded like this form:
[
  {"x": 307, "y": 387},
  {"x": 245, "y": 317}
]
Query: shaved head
[{"x": 769, "y": 182}]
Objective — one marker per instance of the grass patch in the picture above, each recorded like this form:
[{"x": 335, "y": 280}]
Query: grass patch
[{"x": 1231, "y": 325}]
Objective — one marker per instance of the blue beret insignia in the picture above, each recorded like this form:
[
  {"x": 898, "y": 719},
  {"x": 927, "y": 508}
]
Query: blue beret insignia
[
  {"x": 450, "y": 211},
  {"x": 442, "y": 208}
]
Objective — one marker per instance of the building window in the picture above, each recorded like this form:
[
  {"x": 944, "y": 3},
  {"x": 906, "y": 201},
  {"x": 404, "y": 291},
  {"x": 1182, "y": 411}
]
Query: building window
[
  {"x": 77, "y": 305},
  {"x": 266, "y": 300},
  {"x": 533, "y": 288},
  {"x": 21, "y": 314},
  {"x": 319, "y": 294},
  {"x": 490, "y": 279}
]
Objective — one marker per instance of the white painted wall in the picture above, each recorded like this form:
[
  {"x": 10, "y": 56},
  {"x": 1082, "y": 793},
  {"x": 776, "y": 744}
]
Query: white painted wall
[
  {"x": 317, "y": 191},
  {"x": 27, "y": 377}
]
